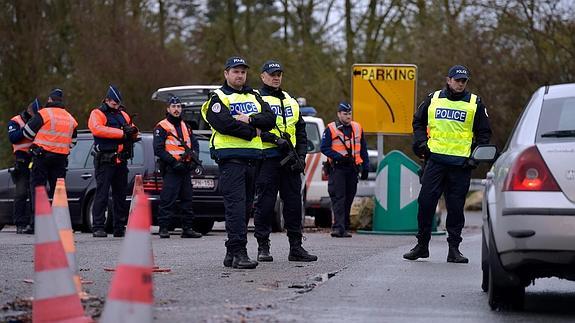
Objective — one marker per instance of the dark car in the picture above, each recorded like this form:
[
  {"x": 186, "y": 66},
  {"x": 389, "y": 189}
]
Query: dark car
[{"x": 81, "y": 184}]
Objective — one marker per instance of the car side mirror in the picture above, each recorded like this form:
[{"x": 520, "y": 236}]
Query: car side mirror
[
  {"x": 310, "y": 146},
  {"x": 484, "y": 153}
]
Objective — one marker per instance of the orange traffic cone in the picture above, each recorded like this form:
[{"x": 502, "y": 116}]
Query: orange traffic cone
[
  {"x": 62, "y": 217},
  {"x": 55, "y": 297},
  {"x": 131, "y": 296},
  {"x": 138, "y": 188}
]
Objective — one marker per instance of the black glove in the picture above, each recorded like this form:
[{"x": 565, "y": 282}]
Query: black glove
[
  {"x": 350, "y": 160},
  {"x": 422, "y": 150},
  {"x": 470, "y": 163},
  {"x": 282, "y": 144},
  {"x": 130, "y": 132},
  {"x": 180, "y": 167},
  {"x": 364, "y": 174}
]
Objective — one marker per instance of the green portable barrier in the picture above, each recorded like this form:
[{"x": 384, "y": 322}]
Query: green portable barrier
[{"x": 396, "y": 190}]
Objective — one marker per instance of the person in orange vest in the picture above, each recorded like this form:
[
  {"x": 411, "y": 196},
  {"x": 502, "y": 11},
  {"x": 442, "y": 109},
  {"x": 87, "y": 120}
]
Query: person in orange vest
[
  {"x": 176, "y": 148},
  {"x": 53, "y": 131},
  {"x": 114, "y": 133},
  {"x": 344, "y": 145},
  {"x": 21, "y": 172}
]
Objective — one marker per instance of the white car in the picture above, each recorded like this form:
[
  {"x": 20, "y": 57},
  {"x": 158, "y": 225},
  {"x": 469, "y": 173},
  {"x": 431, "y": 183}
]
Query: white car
[
  {"x": 529, "y": 203},
  {"x": 366, "y": 188}
]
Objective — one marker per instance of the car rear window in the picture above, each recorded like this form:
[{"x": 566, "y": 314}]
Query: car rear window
[
  {"x": 313, "y": 135},
  {"x": 79, "y": 153},
  {"x": 556, "y": 115},
  {"x": 205, "y": 153},
  {"x": 138, "y": 154}
]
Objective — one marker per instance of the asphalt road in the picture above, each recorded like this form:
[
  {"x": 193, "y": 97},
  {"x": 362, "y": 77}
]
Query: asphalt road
[{"x": 362, "y": 279}]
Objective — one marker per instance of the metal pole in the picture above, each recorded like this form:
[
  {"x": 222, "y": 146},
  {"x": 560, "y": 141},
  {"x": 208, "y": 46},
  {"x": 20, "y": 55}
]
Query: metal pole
[{"x": 379, "y": 147}]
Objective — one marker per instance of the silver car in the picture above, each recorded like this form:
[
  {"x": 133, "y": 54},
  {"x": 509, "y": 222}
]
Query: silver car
[{"x": 529, "y": 204}]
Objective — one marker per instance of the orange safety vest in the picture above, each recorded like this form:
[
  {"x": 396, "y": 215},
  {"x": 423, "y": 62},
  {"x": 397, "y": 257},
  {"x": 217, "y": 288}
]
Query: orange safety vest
[
  {"x": 55, "y": 135},
  {"x": 173, "y": 145},
  {"x": 341, "y": 144},
  {"x": 24, "y": 144}
]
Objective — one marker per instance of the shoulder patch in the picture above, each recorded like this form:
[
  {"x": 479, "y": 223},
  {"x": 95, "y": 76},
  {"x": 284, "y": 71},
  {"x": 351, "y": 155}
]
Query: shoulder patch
[
  {"x": 217, "y": 107},
  {"x": 157, "y": 132}
]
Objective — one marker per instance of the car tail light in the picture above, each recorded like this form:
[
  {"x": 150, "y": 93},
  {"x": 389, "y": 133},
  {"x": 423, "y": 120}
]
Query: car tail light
[
  {"x": 153, "y": 183},
  {"x": 530, "y": 173},
  {"x": 324, "y": 175}
]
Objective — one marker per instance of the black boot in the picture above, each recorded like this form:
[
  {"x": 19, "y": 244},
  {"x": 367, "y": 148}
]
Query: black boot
[
  {"x": 119, "y": 232},
  {"x": 455, "y": 256},
  {"x": 419, "y": 251},
  {"x": 228, "y": 259},
  {"x": 264, "y": 251},
  {"x": 164, "y": 232},
  {"x": 296, "y": 251},
  {"x": 242, "y": 261},
  {"x": 190, "y": 233},
  {"x": 29, "y": 229}
]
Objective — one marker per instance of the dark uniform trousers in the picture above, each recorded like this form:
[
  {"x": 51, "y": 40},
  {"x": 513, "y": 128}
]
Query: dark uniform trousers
[
  {"x": 237, "y": 185},
  {"x": 342, "y": 186},
  {"x": 21, "y": 179},
  {"x": 453, "y": 182},
  {"x": 110, "y": 174},
  {"x": 46, "y": 169},
  {"x": 271, "y": 178},
  {"x": 176, "y": 185}
]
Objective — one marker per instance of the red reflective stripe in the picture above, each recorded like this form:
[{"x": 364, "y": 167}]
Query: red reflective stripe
[
  {"x": 315, "y": 163},
  {"x": 133, "y": 284},
  {"x": 49, "y": 256},
  {"x": 42, "y": 206},
  {"x": 59, "y": 309},
  {"x": 141, "y": 218}
]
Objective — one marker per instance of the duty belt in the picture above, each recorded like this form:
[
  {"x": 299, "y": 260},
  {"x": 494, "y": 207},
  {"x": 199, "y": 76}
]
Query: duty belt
[{"x": 249, "y": 162}]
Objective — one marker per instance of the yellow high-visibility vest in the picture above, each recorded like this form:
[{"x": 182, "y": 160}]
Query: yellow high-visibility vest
[
  {"x": 291, "y": 111},
  {"x": 451, "y": 125},
  {"x": 245, "y": 103}
]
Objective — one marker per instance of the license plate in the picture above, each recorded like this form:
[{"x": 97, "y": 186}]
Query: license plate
[{"x": 202, "y": 183}]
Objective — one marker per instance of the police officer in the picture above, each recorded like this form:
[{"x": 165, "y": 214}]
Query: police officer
[
  {"x": 176, "y": 148},
  {"x": 114, "y": 136},
  {"x": 344, "y": 145},
  {"x": 237, "y": 115},
  {"x": 53, "y": 130},
  {"x": 279, "y": 172},
  {"x": 446, "y": 126},
  {"x": 21, "y": 173}
]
